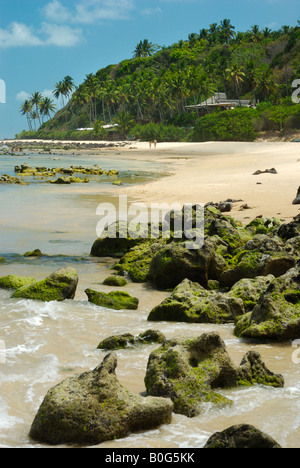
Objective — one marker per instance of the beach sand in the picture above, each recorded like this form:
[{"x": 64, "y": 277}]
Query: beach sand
[{"x": 216, "y": 171}]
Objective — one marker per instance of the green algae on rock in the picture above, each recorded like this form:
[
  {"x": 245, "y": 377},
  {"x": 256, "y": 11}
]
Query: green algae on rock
[
  {"x": 117, "y": 300},
  {"x": 59, "y": 286},
  {"x": 16, "y": 282},
  {"x": 93, "y": 407},
  {"x": 277, "y": 313},
  {"x": 127, "y": 339},
  {"x": 241, "y": 436},
  {"x": 115, "y": 280},
  {"x": 189, "y": 372},
  {"x": 250, "y": 290},
  {"x": 190, "y": 302}
]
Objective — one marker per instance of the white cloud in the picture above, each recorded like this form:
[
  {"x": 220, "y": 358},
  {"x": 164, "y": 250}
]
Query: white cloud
[
  {"x": 89, "y": 11},
  {"x": 21, "y": 35}
]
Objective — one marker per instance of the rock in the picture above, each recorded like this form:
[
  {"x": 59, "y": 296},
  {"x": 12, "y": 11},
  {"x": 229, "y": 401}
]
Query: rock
[
  {"x": 115, "y": 280},
  {"x": 267, "y": 171},
  {"x": 290, "y": 230},
  {"x": 34, "y": 253},
  {"x": 277, "y": 313},
  {"x": 117, "y": 342},
  {"x": 297, "y": 199},
  {"x": 115, "y": 241},
  {"x": 191, "y": 303},
  {"x": 174, "y": 263},
  {"x": 16, "y": 282},
  {"x": 256, "y": 262},
  {"x": 59, "y": 286},
  {"x": 242, "y": 436},
  {"x": 117, "y": 300},
  {"x": 250, "y": 290},
  {"x": 136, "y": 263},
  {"x": 125, "y": 340},
  {"x": 190, "y": 371},
  {"x": 263, "y": 225},
  {"x": 94, "y": 407}
]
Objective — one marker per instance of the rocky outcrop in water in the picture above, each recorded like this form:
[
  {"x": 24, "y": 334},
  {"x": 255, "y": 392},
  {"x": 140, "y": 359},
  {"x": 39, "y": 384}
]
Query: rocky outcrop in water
[
  {"x": 16, "y": 282},
  {"x": 190, "y": 302},
  {"x": 190, "y": 372},
  {"x": 117, "y": 300},
  {"x": 93, "y": 407},
  {"x": 127, "y": 339},
  {"x": 242, "y": 436},
  {"x": 58, "y": 286}
]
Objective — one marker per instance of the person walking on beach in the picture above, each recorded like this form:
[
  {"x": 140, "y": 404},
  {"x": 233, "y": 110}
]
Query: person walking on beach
[
  {"x": 150, "y": 144},
  {"x": 155, "y": 143}
]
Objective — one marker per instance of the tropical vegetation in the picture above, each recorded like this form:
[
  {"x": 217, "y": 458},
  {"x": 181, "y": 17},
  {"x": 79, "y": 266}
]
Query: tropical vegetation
[{"x": 148, "y": 95}]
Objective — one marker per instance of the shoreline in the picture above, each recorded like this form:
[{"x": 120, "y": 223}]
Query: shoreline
[{"x": 208, "y": 172}]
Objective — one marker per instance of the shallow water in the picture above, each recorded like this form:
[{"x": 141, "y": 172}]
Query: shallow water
[{"x": 43, "y": 343}]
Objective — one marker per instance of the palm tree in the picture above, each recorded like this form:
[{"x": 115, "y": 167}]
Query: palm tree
[
  {"x": 36, "y": 100},
  {"x": 35, "y": 115},
  {"x": 227, "y": 30},
  {"x": 26, "y": 109},
  {"x": 68, "y": 85},
  {"x": 59, "y": 91},
  {"x": 267, "y": 32},
  {"x": 237, "y": 75},
  {"x": 145, "y": 49},
  {"x": 255, "y": 32},
  {"x": 125, "y": 122},
  {"x": 47, "y": 107}
]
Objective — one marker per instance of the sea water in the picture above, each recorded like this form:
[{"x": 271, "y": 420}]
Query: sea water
[{"x": 44, "y": 343}]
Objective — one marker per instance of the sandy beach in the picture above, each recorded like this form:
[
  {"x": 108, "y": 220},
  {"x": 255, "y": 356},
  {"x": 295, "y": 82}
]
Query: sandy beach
[{"x": 213, "y": 171}]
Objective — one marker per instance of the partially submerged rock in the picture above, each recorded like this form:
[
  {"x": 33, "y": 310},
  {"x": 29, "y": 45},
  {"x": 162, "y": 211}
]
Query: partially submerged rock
[
  {"x": 250, "y": 290},
  {"x": 59, "y": 286},
  {"x": 127, "y": 339},
  {"x": 94, "y": 407},
  {"x": 117, "y": 300},
  {"x": 277, "y": 313},
  {"x": 190, "y": 371},
  {"x": 241, "y": 436},
  {"x": 115, "y": 280},
  {"x": 190, "y": 302}
]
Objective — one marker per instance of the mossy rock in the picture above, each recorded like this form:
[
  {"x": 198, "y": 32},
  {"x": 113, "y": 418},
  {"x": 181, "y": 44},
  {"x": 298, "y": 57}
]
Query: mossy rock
[
  {"x": 191, "y": 303},
  {"x": 127, "y": 339},
  {"x": 190, "y": 371},
  {"x": 16, "y": 282},
  {"x": 115, "y": 280},
  {"x": 117, "y": 300},
  {"x": 33, "y": 253},
  {"x": 2, "y": 260},
  {"x": 276, "y": 315},
  {"x": 136, "y": 263},
  {"x": 250, "y": 290},
  {"x": 93, "y": 407},
  {"x": 59, "y": 286},
  {"x": 241, "y": 436}
]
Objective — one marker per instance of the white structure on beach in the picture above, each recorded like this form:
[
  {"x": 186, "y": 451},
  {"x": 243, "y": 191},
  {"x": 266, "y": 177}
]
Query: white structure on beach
[
  {"x": 106, "y": 127},
  {"x": 219, "y": 100}
]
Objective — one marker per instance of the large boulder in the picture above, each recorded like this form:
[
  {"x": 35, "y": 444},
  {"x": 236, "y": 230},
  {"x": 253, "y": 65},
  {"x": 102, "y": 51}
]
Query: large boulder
[
  {"x": 190, "y": 302},
  {"x": 173, "y": 263},
  {"x": 117, "y": 300},
  {"x": 241, "y": 436},
  {"x": 93, "y": 407},
  {"x": 59, "y": 286},
  {"x": 289, "y": 230},
  {"x": 277, "y": 313},
  {"x": 190, "y": 371}
]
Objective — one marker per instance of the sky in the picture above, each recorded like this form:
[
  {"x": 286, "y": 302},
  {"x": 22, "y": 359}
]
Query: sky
[{"x": 42, "y": 41}]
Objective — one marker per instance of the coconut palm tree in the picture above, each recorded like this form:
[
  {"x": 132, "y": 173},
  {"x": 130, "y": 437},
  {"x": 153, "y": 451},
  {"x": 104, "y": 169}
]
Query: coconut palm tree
[
  {"x": 145, "y": 49},
  {"x": 227, "y": 30},
  {"x": 59, "y": 92},
  {"x": 47, "y": 107},
  {"x": 236, "y": 74},
  {"x": 36, "y": 99},
  {"x": 26, "y": 109}
]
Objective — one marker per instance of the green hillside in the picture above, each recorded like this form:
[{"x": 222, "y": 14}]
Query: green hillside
[{"x": 147, "y": 95}]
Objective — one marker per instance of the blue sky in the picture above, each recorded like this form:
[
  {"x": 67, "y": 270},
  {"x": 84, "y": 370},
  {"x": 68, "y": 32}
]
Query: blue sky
[{"x": 41, "y": 41}]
